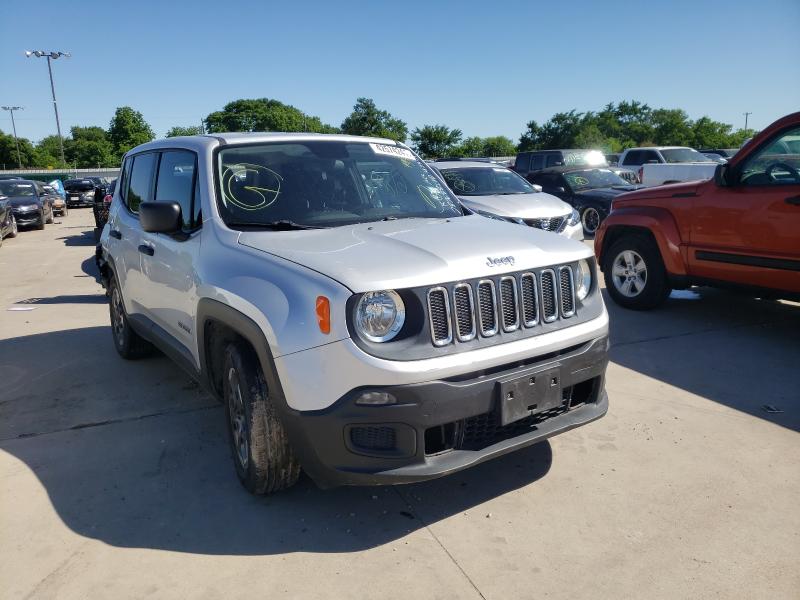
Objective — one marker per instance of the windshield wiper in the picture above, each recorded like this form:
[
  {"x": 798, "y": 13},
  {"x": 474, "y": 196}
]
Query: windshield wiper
[{"x": 280, "y": 225}]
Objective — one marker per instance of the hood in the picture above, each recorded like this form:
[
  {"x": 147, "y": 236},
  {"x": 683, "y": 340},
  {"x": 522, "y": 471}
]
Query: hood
[
  {"x": 606, "y": 195},
  {"x": 522, "y": 206},
  {"x": 416, "y": 252},
  {"x": 17, "y": 201},
  {"x": 662, "y": 191}
]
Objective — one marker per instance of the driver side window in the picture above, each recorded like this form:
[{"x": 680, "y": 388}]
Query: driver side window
[{"x": 777, "y": 163}]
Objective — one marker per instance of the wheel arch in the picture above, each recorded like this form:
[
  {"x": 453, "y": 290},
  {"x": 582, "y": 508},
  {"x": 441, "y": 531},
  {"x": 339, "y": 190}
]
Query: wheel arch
[{"x": 656, "y": 224}]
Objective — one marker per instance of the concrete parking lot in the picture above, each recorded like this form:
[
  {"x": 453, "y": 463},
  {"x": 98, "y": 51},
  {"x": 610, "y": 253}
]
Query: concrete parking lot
[{"x": 116, "y": 479}]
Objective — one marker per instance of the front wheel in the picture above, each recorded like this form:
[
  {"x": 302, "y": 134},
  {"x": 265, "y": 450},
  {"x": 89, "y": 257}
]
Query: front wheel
[
  {"x": 50, "y": 218},
  {"x": 635, "y": 274},
  {"x": 40, "y": 224},
  {"x": 14, "y": 229},
  {"x": 591, "y": 218},
  {"x": 262, "y": 456}
]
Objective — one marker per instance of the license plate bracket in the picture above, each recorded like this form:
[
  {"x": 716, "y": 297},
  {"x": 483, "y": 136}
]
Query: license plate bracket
[{"x": 526, "y": 395}]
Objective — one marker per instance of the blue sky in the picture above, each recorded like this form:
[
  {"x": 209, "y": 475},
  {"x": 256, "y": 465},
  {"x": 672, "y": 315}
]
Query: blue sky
[{"x": 484, "y": 67}]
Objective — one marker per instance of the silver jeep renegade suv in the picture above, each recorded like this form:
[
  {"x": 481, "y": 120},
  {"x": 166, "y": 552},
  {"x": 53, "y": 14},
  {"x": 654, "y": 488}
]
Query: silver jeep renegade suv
[{"x": 351, "y": 315}]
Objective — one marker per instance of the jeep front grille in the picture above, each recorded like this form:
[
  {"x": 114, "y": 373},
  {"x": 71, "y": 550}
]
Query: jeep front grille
[
  {"x": 439, "y": 314},
  {"x": 504, "y": 304}
]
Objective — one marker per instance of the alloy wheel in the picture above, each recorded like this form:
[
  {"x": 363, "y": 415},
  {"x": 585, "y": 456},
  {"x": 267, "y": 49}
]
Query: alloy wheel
[
  {"x": 238, "y": 418},
  {"x": 590, "y": 219},
  {"x": 629, "y": 273},
  {"x": 117, "y": 316}
]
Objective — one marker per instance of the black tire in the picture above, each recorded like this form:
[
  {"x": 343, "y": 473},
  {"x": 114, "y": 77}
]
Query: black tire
[
  {"x": 643, "y": 293},
  {"x": 50, "y": 219},
  {"x": 40, "y": 224},
  {"x": 264, "y": 461},
  {"x": 591, "y": 217},
  {"x": 129, "y": 344},
  {"x": 14, "y": 229}
]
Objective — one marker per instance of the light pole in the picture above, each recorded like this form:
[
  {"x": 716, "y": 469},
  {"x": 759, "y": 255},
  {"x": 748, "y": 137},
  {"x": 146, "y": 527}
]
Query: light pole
[
  {"x": 53, "y": 56},
  {"x": 11, "y": 109},
  {"x": 747, "y": 114}
]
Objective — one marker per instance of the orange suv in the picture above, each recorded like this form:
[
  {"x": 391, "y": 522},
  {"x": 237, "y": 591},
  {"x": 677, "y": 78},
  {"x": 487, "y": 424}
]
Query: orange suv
[{"x": 740, "y": 229}]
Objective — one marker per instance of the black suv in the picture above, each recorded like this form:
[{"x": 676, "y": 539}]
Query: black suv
[
  {"x": 80, "y": 192},
  {"x": 102, "y": 202}
]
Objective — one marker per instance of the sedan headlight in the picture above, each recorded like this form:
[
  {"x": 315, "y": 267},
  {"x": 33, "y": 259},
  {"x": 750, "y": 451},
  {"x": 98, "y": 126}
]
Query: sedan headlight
[
  {"x": 380, "y": 315},
  {"x": 584, "y": 279},
  {"x": 574, "y": 218}
]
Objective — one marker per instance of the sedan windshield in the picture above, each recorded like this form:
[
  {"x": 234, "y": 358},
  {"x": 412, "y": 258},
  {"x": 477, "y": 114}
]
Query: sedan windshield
[
  {"x": 593, "y": 178},
  {"x": 485, "y": 181},
  {"x": 326, "y": 184},
  {"x": 683, "y": 155},
  {"x": 15, "y": 188}
]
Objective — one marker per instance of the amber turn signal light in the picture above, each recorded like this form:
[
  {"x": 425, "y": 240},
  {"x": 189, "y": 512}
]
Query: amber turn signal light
[{"x": 324, "y": 314}]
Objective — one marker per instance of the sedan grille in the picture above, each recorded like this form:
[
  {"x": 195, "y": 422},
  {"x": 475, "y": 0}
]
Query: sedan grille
[
  {"x": 494, "y": 306},
  {"x": 555, "y": 224}
]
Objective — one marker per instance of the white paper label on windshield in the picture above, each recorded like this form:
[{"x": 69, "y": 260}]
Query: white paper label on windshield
[{"x": 392, "y": 151}]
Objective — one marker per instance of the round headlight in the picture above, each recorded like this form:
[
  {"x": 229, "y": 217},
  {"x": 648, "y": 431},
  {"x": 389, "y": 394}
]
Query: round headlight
[
  {"x": 584, "y": 279},
  {"x": 380, "y": 315}
]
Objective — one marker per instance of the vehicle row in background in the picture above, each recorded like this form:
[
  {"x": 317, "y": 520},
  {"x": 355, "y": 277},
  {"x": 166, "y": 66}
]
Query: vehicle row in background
[
  {"x": 499, "y": 193},
  {"x": 29, "y": 202},
  {"x": 529, "y": 163},
  {"x": 740, "y": 228},
  {"x": 658, "y": 165}
]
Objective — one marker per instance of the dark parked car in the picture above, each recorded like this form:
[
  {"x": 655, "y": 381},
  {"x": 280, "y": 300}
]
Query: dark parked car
[
  {"x": 102, "y": 202},
  {"x": 589, "y": 190},
  {"x": 30, "y": 202},
  {"x": 529, "y": 163},
  {"x": 80, "y": 192},
  {"x": 8, "y": 224}
]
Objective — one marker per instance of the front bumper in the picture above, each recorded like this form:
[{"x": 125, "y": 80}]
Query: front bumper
[
  {"x": 75, "y": 202},
  {"x": 28, "y": 217},
  {"x": 442, "y": 426}
]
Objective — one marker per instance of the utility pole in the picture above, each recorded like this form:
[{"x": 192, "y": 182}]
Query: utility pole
[
  {"x": 747, "y": 114},
  {"x": 53, "y": 56},
  {"x": 11, "y": 109}
]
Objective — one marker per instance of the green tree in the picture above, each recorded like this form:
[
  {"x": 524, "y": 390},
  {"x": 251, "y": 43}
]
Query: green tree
[
  {"x": 178, "y": 131},
  {"x": 263, "y": 114},
  {"x": 89, "y": 147},
  {"x": 8, "y": 152},
  {"x": 671, "y": 127},
  {"x": 127, "y": 130},
  {"x": 498, "y": 145},
  {"x": 470, "y": 147},
  {"x": 435, "y": 141},
  {"x": 48, "y": 152},
  {"x": 367, "y": 119}
]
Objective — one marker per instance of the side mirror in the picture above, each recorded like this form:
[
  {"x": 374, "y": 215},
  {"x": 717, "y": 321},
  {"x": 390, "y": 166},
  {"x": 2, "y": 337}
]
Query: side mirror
[
  {"x": 160, "y": 217},
  {"x": 721, "y": 175},
  {"x": 651, "y": 162},
  {"x": 536, "y": 187},
  {"x": 559, "y": 190}
]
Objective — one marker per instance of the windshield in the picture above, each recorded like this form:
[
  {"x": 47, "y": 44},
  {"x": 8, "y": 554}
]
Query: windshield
[
  {"x": 485, "y": 181},
  {"x": 683, "y": 155},
  {"x": 593, "y": 178},
  {"x": 15, "y": 188},
  {"x": 327, "y": 184}
]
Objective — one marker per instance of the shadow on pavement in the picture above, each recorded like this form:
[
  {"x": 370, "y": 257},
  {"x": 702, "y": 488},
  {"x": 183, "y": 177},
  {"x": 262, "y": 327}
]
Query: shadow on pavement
[
  {"x": 134, "y": 455},
  {"x": 85, "y": 238},
  {"x": 736, "y": 350},
  {"x": 67, "y": 299}
]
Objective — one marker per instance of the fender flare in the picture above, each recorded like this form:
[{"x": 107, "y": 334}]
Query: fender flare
[{"x": 658, "y": 222}]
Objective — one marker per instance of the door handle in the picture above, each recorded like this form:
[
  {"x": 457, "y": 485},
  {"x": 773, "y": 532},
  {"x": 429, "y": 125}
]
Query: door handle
[
  {"x": 794, "y": 200},
  {"x": 147, "y": 250},
  {"x": 115, "y": 234}
]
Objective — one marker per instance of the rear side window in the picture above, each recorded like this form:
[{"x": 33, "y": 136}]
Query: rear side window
[
  {"x": 633, "y": 158},
  {"x": 651, "y": 155},
  {"x": 176, "y": 182},
  {"x": 538, "y": 163},
  {"x": 522, "y": 164},
  {"x": 141, "y": 180},
  {"x": 554, "y": 160}
]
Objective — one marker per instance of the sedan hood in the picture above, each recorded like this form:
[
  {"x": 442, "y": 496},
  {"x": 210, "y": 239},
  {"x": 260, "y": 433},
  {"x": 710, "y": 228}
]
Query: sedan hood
[
  {"x": 17, "y": 201},
  {"x": 521, "y": 206},
  {"x": 415, "y": 252}
]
